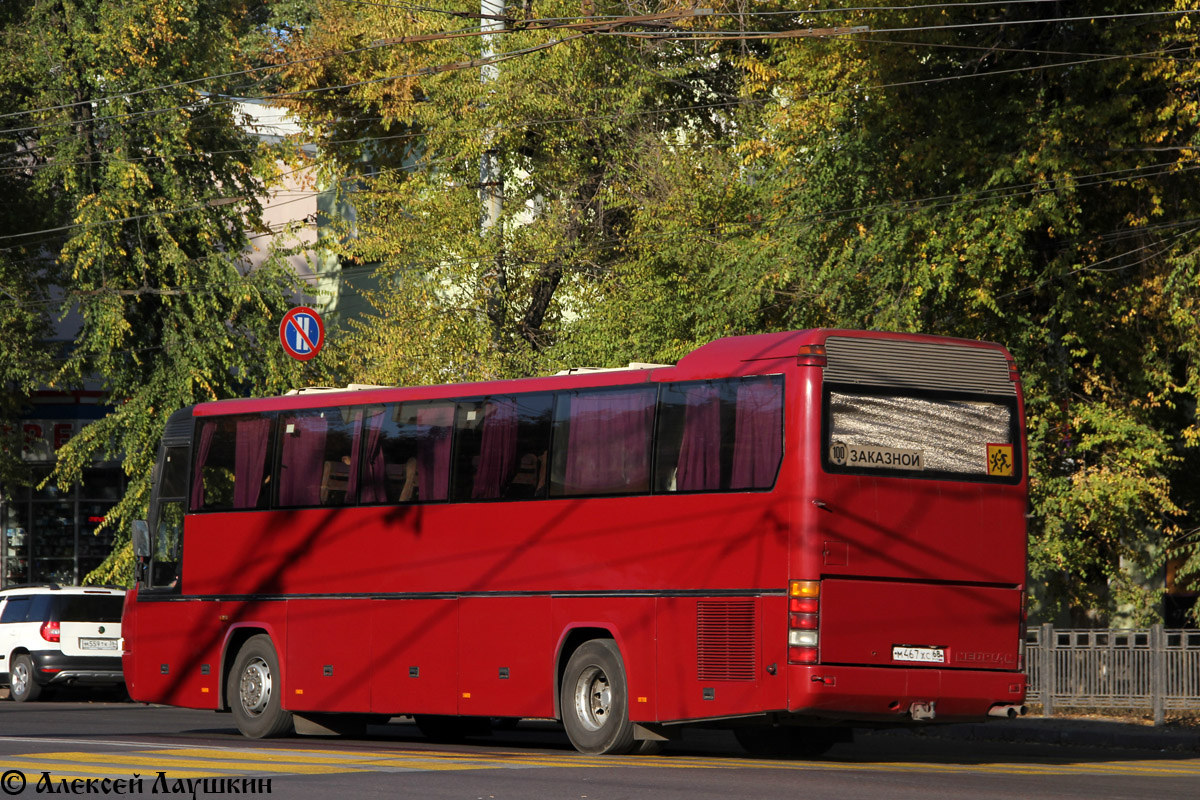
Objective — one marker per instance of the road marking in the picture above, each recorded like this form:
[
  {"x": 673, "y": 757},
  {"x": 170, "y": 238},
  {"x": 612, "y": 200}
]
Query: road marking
[{"x": 208, "y": 762}]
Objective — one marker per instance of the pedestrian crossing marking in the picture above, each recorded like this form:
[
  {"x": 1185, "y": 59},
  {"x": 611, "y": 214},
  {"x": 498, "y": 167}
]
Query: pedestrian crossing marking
[
  {"x": 199, "y": 762},
  {"x": 171, "y": 763},
  {"x": 33, "y": 769}
]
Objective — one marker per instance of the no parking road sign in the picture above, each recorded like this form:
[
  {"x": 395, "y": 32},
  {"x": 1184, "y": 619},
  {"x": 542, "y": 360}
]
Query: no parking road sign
[{"x": 302, "y": 333}]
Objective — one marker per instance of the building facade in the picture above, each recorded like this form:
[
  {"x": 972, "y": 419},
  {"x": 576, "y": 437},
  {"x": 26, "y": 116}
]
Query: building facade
[{"x": 53, "y": 535}]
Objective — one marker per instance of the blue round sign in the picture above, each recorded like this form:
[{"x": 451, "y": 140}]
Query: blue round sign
[{"x": 302, "y": 333}]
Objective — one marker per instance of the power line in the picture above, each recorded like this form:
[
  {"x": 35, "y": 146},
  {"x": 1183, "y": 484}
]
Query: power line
[
  {"x": 1093, "y": 58},
  {"x": 1097, "y": 58},
  {"x": 784, "y": 223},
  {"x": 594, "y": 25}
]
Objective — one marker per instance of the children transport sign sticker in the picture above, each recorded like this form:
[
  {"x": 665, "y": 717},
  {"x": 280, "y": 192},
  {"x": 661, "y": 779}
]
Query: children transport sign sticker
[{"x": 302, "y": 333}]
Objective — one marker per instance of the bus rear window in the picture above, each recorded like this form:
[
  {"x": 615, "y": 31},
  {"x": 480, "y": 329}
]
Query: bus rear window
[{"x": 935, "y": 437}]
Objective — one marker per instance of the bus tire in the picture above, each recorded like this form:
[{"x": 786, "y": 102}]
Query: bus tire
[
  {"x": 22, "y": 686},
  {"x": 595, "y": 700},
  {"x": 255, "y": 691}
]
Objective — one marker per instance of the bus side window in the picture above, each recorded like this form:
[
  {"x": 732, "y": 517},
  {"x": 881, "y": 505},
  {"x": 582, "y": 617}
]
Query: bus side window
[
  {"x": 231, "y": 467},
  {"x": 719, "y": 435},
  {"x": 689, "y": 457},
  {"x": 166, "y": 560},
  {"x": 757, "y": 433},
  {"x": 435, "y": 423},
  {"x": 602, "y": 442},
  {"x": 317, "y": 457},
  {"x": 500, "y": 448},
  {"x": 406, "y": 453},
  {"x": 340, "y": 470},
  {"x": 379, "y": 431}
]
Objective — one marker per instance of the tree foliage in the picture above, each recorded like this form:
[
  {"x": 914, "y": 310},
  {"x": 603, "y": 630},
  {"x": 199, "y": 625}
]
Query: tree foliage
[
  {"x": 130, "y": 191},
  {"x": 569, "y": 118}
]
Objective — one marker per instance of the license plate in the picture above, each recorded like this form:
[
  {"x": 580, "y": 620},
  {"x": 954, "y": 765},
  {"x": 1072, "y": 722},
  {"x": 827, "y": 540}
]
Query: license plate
[
  {"x": 926, "y": 655},
  {"x": 97, "y": 644}
]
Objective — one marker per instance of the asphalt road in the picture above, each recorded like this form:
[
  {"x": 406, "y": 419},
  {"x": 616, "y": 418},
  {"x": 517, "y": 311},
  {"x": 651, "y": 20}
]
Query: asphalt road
[{"x": 72, "y": 742}]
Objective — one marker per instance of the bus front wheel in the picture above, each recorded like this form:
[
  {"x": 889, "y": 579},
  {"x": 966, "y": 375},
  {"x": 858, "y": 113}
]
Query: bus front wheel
[
  {"x": 595, "y": 700},
  {"x": 254, "y": 691}
]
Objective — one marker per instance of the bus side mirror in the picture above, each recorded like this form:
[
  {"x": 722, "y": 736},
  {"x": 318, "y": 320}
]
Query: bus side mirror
[{"x": 141, "y": 538}]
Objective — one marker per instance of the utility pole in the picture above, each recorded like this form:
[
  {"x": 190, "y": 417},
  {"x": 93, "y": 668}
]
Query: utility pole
[{"x": 491, "y": 184}]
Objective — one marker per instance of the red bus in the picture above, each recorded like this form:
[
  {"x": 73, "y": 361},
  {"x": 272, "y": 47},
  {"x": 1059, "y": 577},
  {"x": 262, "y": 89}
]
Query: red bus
[{"x": 788, "y": 534}]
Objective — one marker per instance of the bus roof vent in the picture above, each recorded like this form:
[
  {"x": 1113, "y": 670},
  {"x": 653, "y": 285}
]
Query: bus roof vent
[
  {"x": 632, "y": 365},
  {"x": 350, "y": 387},
  {"x": 917, "y": 365}
]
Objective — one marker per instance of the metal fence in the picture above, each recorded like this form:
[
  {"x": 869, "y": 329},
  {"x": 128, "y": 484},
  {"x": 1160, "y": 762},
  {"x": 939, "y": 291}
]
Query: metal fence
[{"x": 1154, "y": 669}]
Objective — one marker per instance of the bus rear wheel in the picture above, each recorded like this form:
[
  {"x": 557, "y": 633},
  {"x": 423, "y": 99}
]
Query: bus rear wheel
[
  {"x": 595, "y": 700},
  {"x": 254, "y": 691}
]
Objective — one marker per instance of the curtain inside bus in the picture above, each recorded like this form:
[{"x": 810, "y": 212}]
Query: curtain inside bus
[
  {"x": 301, "y": 459},
  {"x": 250, "y": 459},
  {"x": 758, "y": 439},
  {"x": 435, "y": 423},
  {"x": 498, "y": 451},
  {"x": 699, "y": 467},
  {"x": 608, "y": 442}
]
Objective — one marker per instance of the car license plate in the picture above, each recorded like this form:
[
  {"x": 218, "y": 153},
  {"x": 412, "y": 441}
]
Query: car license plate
[
  {"x": 926, "y": 655},
  {"x": 97, "y": 644}
]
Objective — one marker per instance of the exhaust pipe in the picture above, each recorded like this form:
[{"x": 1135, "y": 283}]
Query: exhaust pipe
[
  {"x": 1008, "y": 711},
  {"x": 923, "y": 711}
]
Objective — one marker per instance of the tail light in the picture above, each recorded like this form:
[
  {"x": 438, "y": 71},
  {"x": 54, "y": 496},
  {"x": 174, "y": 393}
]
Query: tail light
[
  {"x": 811, "y": 355},
  {"x": 804, "y": 621},
  {"x": 50, "y": 631}
]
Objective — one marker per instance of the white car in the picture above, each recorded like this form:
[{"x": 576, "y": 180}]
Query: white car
[{"x": 59, "y": 636}]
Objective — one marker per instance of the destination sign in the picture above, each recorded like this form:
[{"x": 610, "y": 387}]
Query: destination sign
[{"x": 850, "y": 455}]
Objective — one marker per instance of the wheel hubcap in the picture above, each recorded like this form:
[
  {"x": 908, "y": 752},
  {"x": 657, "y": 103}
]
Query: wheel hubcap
[
  {"x": 256, "y": 687},
  {"x": 593, "y": 698},
  {"x": 20, "y": 679}
]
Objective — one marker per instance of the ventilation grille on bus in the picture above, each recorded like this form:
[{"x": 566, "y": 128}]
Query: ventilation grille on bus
[
  {"x": 917, "y": 365},
  {"x": 179, "y": 427},
  {"x": 725, "y": 640}
]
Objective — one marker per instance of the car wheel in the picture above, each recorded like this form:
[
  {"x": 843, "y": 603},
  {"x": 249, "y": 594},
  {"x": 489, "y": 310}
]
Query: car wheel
[
  {"x": 22, "y": 686},
  {"x": 594, "y": 700},
  {"x": 254, "y": 691}
]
